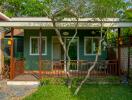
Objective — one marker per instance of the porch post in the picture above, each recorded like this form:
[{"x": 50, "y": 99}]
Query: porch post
[
  {"x": 1, "y": 52},
  {"x": 128, "y": 65},
  {"x": 119, "y": 51},
  {"x": 40, "y": 53},
  {"x": 11, "y": 55}
]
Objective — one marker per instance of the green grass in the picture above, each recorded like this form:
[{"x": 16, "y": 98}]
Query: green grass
[{"x": 87, "y": 92}]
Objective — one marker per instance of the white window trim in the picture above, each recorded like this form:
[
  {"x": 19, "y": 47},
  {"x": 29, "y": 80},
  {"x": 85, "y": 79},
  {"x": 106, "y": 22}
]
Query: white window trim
[
  {"x": 44, "y": 37},
  {"x": 87, "y": 54},
  {"x": 78, "y": 50}
]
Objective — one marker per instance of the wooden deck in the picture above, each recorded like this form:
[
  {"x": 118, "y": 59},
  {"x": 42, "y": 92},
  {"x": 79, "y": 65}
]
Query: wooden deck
[
  {"x": 25, "y": 77},
  {"x": 62, "y": 74}
]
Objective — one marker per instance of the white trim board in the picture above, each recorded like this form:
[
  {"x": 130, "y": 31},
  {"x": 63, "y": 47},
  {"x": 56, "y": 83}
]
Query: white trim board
[
  {"x": 66, "y": 23},
  {"x": 64, "y": 37},
  {"x": 44, "y": 37},
  {"x": 90, "y": 54}
]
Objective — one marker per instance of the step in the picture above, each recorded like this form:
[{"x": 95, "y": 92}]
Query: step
[{"x": 24, "y": 83}]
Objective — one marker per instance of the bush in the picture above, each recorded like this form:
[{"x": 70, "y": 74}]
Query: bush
[
  {"x": 6, "y": 60},
  {"x": 77, "y": 81},
  {"x": 53, "y": 81}
]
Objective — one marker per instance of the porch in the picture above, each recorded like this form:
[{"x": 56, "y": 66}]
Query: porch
[
  {"x": 78, "y": 69},
  {"x": 57, "y": 68}
]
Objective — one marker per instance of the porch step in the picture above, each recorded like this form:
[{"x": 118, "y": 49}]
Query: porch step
[
  {"x": 24, "y": 83},
  {"x": 25, "y": 77}
]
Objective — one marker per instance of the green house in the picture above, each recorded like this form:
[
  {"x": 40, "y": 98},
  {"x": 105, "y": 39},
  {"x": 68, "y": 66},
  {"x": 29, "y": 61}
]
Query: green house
[
  {"x": 43, "y": 51},
  {"x": 83, "y": 47}
]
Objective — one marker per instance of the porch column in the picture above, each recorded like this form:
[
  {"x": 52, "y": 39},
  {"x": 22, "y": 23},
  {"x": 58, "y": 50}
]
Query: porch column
[
  {"x": 119, "y": 51},
  {"x": 1, "y": 52},
  {"x": 40, "y": 53},
  {"x": 11, "y": 55},
  {"x": 129, "y": 56}
]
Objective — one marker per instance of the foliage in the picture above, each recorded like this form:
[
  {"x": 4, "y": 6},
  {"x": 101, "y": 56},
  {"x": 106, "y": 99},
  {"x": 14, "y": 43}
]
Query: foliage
[
  {"x": 84, "y": 8},
  {"x": 107, "y": 8},
  {"x": 53, "y": 81},
  {"x": 128, "y": 14},
  {"x": 113, "y": 79},
  {"x": 23, "y": 7},
  {"x": 111, "y": 38},
  {"x": 87, "y": 92},
  {"x": 76, "y": 81},
  {"x": 127, "y": 31},
  {"x": 6, "y": 60}
]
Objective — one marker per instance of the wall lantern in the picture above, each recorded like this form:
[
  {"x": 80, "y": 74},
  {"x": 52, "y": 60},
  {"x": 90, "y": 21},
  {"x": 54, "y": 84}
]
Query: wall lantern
[
  {"x": 9, "y": 41},
  {"x": 93, "y": 32},
  {"x": 65, "y": 33},
  {"x": 120, "y": 40}
]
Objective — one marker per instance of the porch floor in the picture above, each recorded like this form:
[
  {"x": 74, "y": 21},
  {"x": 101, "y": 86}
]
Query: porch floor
[
  {"x": 25, "y": 77},
  {"x": 61, "y": 73}
]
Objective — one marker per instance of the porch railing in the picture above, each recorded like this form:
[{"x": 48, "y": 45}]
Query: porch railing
[
  {"x": 79, "y": 68},
  {"x": 18, "y": 67}
]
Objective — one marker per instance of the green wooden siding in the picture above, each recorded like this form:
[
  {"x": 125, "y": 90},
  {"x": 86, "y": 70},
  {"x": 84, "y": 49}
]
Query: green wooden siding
[
  {"x": 18, "y": 46},
  {"x": 31, "y": 61}
]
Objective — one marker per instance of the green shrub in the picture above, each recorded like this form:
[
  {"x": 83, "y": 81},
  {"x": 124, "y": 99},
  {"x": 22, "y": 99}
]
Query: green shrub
[
  {"x": 77, "y": 81},
  {"x": 113, "y": 79},
  {"x": 6, "y": 60},
  {"x": 53, "y": 81}
]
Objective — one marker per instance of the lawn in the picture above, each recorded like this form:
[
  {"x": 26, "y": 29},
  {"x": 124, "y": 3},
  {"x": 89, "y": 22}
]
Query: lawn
[{"x": 87, "y": 92}]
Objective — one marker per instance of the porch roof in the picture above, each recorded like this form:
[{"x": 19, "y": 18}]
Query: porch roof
[{"x": 66, "y": 23}]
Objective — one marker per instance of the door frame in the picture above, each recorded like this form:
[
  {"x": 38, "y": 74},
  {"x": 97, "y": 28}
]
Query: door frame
[
  {"x": 65, "y": 37},
  {"x": 77, "y": 49}
]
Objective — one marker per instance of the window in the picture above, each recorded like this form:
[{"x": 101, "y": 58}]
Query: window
[
  {"x": 20, "y": 45},
  {"x": 34, "y": 45},
  {"x": 91, "y": 45}
]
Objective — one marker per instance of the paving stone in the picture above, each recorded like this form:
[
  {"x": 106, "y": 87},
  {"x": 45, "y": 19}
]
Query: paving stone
[
  {"x": 15, "y": 92},
  {"x": 3, "y": 96}
]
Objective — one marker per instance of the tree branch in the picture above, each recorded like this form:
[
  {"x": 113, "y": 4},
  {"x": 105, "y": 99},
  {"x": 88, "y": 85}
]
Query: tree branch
[{"x": 90, "y": 69}]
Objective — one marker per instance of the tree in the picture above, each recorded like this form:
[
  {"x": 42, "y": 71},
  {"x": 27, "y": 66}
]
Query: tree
[
  {"x": 57, "y": 11},
  {"x": 14, "y": 8},
  {"x": 102, "y": 9},
  {"x": 127, "y": 16}
]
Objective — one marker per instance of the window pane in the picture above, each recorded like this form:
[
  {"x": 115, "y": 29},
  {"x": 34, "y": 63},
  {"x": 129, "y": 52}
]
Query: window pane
[
  {"x": 43, "y": 46},
  {"x": 34, "y": 45},
  {"x": 19, "y": 45},
  {"x": 95, "y": 45},
  {"x": 88, "y": 45}
]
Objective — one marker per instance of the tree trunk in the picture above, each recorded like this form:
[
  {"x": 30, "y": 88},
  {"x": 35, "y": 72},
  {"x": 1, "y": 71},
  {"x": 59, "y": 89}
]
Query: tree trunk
[
  {"x": 68, "y": 57},
  {"x": 66, "y": 49},
  {"x": 89, "y": 70}
]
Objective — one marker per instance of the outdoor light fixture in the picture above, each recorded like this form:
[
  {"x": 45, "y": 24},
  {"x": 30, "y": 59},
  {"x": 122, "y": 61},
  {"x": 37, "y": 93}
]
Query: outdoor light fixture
[
  {"x": 120, "y": 41},
  {"x": 65, "y": 33},
  {"x": 93, "y": 32},
  {"x": 9, "y": 42}
]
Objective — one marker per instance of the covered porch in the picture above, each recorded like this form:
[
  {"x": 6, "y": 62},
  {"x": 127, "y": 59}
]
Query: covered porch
[{"x": 78, "y": 67}]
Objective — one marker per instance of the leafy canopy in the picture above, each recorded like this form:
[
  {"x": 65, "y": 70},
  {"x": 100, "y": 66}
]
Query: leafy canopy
[{"x": 82, "y": 8}]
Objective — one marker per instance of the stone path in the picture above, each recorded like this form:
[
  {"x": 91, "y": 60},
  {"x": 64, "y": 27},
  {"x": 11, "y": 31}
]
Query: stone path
[{"x": 14, "y": 92}]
